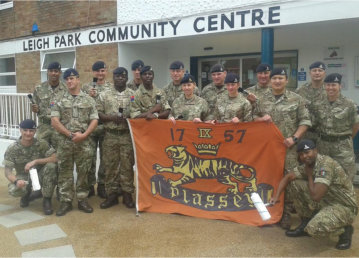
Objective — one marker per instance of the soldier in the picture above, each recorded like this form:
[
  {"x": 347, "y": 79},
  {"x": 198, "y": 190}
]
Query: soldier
[
  {"x": 24, "y": 154},
  {"x": 173, "y": 90},
  {"x": 93, "y": 89},
  {"x": 113, "y": 110},
  {"x": 45, "y": 95},
  {"x": 232, "y": 107},
  {"x": 149, "y": 101},
  {"x": 288, "y": 112},
  {"x": 136, "y": 69},
  {"x": 325, "y": 197},
  {"x": 75, "y": 118},
  {"x": 211, "y": 92},
  {"x": 337, "y": 122},
  {"x": 312, "y": 92},
  {"x": 189, "y": 106},
  {"x": 263, "y": 77}
]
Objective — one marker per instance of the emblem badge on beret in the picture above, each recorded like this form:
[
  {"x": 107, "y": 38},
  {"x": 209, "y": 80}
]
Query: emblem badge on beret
[
  {"x": 283, "y": 72},
  {"x": 336, "y": 79}
]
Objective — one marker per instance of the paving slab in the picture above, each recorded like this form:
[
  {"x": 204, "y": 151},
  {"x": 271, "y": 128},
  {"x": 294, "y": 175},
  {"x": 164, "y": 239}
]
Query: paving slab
[
  {"x": 39, "y": 234},
  {"x": 19, "y": 218},
  {"x": 4, "y": 207},
  {"x": 60, "y": 251}
]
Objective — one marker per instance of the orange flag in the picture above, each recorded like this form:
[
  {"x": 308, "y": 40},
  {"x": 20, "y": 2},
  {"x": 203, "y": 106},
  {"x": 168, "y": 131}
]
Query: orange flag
[{"x": 208, "y": 171}]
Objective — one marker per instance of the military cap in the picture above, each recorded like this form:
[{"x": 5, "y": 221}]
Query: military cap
[
  {"x": 138, "y": 64},
  {"x": 231, "y": 78},
  {"x": 305, "y": 144},
  {"x": 70, "y": 72},
  {"x": 28, "y": 124},
  {"x": 54, "y": 65},
  {"x": 217, "y": 68},
  {"x": 145, "y": 69},
  {"x": 120, "y": 70},
  {"x": 177, "y": 65},
  {"x": 188, "y": 78},
  {"x": 333, "y": 78},
  {"x": 317, "y": 64},
  {"x": 278, "y": 71},
  {"x": 98, "y": 65},
  {"x": 263, "y": 67}
]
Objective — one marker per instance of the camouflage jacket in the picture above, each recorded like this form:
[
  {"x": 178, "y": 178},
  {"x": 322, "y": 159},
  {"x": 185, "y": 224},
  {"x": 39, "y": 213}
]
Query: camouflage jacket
[
  {"x": 45, "y": 97},
  {"x": 229, "y": 107},
  {"x": 146, "y": 99},
  {"x": 340, "y": 188},
  {"x": 110, "y": 101},
  {"x": 75, "y": 112},
  {"x": 99, "y": 87},
  {"x": 211, "y": 93},
  {"x": 17, "y": 156},
  {"x": 174, "y": 91},
  {"x": 337, "y": 118},
  {"x": 288, "y": 112},
  {"x": 196, "y": 107},
  {"x": 132, "y": 85},
  {"x": 258, "y": 90}
]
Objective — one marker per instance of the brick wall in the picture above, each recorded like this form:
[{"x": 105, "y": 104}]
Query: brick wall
[
  {"x": 53, "y": 16},
  {"x": 27, "y": 71},
  {"x": 87, "y": 55}
]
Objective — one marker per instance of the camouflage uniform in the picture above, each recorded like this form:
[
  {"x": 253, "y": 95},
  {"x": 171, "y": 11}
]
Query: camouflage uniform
[
  {"x": 146, "y": 99},
  {"x": 45, "y": 96},
  {"x": 97, "y": 136},
  {"x": 75, "y": 113},
  {"x": 210, "y": 93},
  {"x": 174, "y": 91},
  {"x": 312, "y": 95},
  {"x": 335, "y": 123},
  {"x": 288, "y": 113},
  {"x": 17, "y": 156},
  {"x": 132, "y": 85},
  {"x": 258, "y": 90},
  {"x": 336, "y": 209},
  {"x": 229, "y": 107},
  {"x": 196, "y": 107},
  {"x": 117, "y": 143}
]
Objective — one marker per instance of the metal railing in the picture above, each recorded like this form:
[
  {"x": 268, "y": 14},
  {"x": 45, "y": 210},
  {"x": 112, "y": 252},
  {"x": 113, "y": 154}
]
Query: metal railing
[{"x": 13, "y": 109}]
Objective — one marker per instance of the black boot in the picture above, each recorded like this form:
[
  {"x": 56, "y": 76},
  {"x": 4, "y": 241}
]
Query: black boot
[
  {"x": 127, "y": 200},
  {"x": 345, "y": 239},
  {"x": 91, "y": 191},
  {"x": 64, "y": 208},
  {"x": 85, "y": 206},
  {"x": 46, "y": 205},
  {"x": 25, "y": 200},
  {"x": 285, "y": 221},
  {"x": 101, "y": 191},
  {"x": 299, "y": 231},
  {"x": 35, "y": 195},
  {"x": 111, "y": 200}
]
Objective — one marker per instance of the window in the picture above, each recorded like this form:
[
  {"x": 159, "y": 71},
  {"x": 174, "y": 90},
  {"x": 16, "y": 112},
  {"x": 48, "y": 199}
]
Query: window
[
  {"x": 6, "y": 4},
  {"x": 66, "y": 58},
  {"x": 7, "y": 74}
]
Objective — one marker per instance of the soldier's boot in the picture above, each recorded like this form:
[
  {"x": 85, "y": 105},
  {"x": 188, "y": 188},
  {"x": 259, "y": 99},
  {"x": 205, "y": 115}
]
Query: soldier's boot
[
  {"x": 299, "y": 231},
  {"x": 47, "y": 206},
  {"x": 127, "y": 200},
  {"x": 91, "y": 191},
  {"x": 64, "y": 208},
  {"x": 25, "y": 200},
  {"x": 111, "y": 200},
  {"x": 85, "y": 206},
  {"x": 35, "y": 195},
  {"x": 345, "y": 239},
  {"x": 101, "y": 191},
  {"x": 285, "y": 221}
]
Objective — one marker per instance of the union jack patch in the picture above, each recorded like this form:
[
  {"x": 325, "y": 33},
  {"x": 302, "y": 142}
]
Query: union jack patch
[
  {"x": 322, "y": 172},
  {"x": 52, "y": 103},
  {"x": 132, "y": 98}
]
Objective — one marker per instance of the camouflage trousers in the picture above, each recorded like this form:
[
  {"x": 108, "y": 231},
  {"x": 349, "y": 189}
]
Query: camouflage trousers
[
  {"x": 47, "y": 176},
  {"x": 97, "y": 137},
  {"x": 117, "y": 151},
  {"x": 326, "y": 218},
  {"x": 68, "y": 154},
  {"x": 47, "y": 133},
  {"x": 342, "y": 151},
  {"x": 291, "y": 161}
]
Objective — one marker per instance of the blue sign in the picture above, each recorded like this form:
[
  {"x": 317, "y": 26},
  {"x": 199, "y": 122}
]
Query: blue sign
[{"x": 302, "y": 76}]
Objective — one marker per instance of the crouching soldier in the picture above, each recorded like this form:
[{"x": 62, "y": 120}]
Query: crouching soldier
[{"x": 24, "y": 154}]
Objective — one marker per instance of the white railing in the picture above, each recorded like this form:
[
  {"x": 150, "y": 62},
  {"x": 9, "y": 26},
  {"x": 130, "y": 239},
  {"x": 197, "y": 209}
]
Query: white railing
[{"x": 13, "y": 109}]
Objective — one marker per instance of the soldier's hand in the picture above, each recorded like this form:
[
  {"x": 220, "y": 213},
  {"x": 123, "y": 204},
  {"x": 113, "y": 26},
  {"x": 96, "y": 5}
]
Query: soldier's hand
[
  {"x": 93, "y": 92},
  {"x": 150, "y": 116},
  {"x": 289, "y": 142},
  {"x": 273, "y": 201},
  {"x": 78, "y": 137},
  {"x": 197, "y": 120},
  {"x": 29, "y": 165},
  {"x": 20, "y": 183},
  {"x": 213, "y": 122},
  {"x": 235, "y": 120},
  {"x": 172, "y": 119},
  {"x": 265, "y": 118},
  {"x": 251, "y": 98},
  {"x": 34, "y": 108},
  {"x": 117, "y": 119}
]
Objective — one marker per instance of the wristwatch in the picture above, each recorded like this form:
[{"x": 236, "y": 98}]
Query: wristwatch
[
  {"x": 71, "y": 136},
  {"x": 295, "y": 139},
  {"x": 155, "y": 114}
]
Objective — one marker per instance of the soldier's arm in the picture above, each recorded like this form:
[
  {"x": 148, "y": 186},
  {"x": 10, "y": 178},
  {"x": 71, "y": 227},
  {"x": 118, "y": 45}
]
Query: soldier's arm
[
  {"x": 282, "y": 185},
  {"x": 55, "y": 123},
  {"x": 35, "y": 106},
  {"x": 316, "y": 190},
  {"x": 35, "y": 162},
  {"x": 92, "y": 126}
]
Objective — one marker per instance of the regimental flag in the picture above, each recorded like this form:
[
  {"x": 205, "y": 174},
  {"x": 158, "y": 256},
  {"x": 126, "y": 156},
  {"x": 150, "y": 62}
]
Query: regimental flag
[{"x": 208, "y": 171}]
